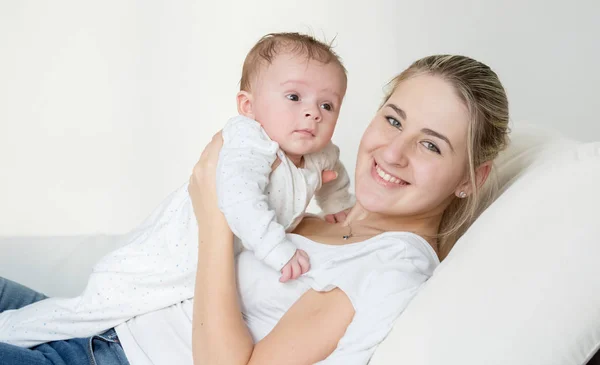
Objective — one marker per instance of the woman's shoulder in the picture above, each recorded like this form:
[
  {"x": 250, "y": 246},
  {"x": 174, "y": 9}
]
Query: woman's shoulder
[
  {"x": 380, "y": 276},
  {"x": 407, "y": 246},
  {"x": 387, "y": 246},
  {"x": 381, "y": 288},
  {"x": 392, "y": 254},
  {"x": 390, "y": 248},
  {"x": 380, "y": 267}
]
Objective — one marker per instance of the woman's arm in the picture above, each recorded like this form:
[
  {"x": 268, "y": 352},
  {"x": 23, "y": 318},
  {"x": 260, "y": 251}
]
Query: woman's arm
[{"x": 307, "y": 333}]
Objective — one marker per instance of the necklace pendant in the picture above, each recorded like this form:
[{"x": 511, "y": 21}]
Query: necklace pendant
[{"x": 346, "y": 236}]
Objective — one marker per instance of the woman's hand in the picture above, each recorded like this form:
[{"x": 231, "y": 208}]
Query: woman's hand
[{"x": 202, "y": 187}]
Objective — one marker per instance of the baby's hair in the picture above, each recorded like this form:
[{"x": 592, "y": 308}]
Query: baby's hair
[{"x": 273, "y": 44}]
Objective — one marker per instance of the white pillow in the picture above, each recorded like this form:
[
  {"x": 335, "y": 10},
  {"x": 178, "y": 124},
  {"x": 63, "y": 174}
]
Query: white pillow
[{"x": 521, "y": 286}]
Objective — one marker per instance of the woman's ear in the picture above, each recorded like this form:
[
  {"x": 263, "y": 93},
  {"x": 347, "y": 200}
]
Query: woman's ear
[
  {"x": 481, "y": 174},
  {"x": 244, "y": 104}
]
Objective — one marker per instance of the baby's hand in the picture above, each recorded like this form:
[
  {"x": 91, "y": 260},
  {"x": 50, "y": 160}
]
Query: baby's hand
[
  {"x": 299, "y": 264},
  {"x": 337, "y": 217}
]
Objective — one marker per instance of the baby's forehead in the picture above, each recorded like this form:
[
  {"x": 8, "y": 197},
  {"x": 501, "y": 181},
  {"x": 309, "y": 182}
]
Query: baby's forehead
[{"x": 301, "y": 69}]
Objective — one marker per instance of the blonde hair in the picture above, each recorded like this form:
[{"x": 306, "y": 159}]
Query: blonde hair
[
  {"x": 484, "y": 96},
  {"x": 273, "y": 44}
]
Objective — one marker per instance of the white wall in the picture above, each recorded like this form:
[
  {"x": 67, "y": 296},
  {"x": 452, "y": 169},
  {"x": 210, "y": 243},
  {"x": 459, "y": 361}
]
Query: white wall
[{"x": 105, "y": 106}]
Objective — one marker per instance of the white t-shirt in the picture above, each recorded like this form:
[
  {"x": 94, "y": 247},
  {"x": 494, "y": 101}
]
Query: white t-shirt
[{"x": 380, "y": 276}]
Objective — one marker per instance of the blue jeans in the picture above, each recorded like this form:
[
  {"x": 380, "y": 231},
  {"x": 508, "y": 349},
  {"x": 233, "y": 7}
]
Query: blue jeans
[{"x": 103, "y": 349}]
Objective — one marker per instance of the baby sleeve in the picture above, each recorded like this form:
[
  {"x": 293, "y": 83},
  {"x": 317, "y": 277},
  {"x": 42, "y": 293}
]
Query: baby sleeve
[
  {"x": 334, "y": 196},
  {"x": 245, "y": 163}
]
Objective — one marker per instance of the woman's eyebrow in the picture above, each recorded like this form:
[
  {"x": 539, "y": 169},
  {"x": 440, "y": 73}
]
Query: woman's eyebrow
[
  {"x": 437, "y": 135},
  {"x": 400, "y": 112}
]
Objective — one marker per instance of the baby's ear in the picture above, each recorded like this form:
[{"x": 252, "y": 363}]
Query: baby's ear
[{"x": 244, "y": 104}]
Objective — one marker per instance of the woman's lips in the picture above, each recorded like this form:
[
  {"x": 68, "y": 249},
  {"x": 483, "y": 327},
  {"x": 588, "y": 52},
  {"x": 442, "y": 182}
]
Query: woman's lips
[{"x": 385, "y": 178}]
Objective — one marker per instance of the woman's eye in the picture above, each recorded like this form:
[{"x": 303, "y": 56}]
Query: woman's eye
[
  {"x": 327, "y": 106},
  {"x": 430, "y": 146},
  {"x": 293, "y": 97},
  {"x": 394, "y": 122}
]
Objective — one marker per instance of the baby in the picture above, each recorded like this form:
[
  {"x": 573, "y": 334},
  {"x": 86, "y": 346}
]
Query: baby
[
  {"x": 273, "y": 153},
  {"x": 269, "y": 169}
]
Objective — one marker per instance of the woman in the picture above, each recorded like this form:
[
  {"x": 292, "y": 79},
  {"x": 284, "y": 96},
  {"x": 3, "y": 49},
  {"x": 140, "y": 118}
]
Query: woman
[
  {"x": 424, "y": 155},
  {"x": 420, "y": 166}
]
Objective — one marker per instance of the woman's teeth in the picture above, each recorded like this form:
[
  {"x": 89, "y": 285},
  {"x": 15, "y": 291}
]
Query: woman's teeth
[{"x": 387, "y": 177}]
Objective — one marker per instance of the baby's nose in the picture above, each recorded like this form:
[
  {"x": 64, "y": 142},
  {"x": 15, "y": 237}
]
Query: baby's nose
[{"x": 315, "y": 116}]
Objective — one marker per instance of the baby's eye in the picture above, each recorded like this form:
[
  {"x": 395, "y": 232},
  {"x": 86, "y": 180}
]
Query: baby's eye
[
  {"x": 293, "y": 97},
  {"x": 430, "y": 146},
  {"x": 327, "y": 106},
  {"x": 394, "y": 122}
]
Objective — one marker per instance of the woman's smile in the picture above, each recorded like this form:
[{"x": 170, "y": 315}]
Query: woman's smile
[{"x": 386, "y": 179}]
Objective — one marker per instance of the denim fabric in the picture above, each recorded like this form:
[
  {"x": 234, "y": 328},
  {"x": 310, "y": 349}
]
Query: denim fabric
[
  {"x": 15, "y": 296},
  {"x": 103, "y": 349}
]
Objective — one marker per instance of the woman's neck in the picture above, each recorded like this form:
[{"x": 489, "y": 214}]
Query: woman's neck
[{"x": 426, "y": 226}]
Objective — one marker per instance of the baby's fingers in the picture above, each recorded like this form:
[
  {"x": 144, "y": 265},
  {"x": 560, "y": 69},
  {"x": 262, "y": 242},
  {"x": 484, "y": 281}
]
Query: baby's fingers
[
  {"x": 286, "y": 272},
  {"x": 330, "y": 218},
  {"x": 341, "y": 216},
  {"x": 304, "y": 261},
  {"x": 296, "y": 269}
]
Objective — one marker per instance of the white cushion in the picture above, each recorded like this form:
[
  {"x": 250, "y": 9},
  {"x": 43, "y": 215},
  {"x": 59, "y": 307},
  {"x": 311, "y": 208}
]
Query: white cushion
[{"x": 521, "y": 286}]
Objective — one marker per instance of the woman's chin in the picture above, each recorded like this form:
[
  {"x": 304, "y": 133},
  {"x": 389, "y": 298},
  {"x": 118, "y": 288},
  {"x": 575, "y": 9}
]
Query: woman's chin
[{"x": 374, "y": 203}]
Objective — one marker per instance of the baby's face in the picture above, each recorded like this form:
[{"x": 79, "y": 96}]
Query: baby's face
[{"x": 297, "y": 102}]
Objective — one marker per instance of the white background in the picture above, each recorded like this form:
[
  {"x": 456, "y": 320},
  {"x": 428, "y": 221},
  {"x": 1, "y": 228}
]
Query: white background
[{"x": 105, "y": 106}]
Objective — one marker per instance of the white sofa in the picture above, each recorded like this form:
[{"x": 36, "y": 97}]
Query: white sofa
[{"x": 520, "y": 287}]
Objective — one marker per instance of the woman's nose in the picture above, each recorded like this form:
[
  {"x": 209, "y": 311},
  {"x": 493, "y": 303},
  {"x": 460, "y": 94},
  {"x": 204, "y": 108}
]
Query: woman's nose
[{"x": 397, "y": 151}]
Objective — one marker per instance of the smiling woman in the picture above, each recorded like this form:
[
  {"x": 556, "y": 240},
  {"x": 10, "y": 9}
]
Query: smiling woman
[
  {"x": 428, "y": 104},
  {"x": 409, "y": 141}
]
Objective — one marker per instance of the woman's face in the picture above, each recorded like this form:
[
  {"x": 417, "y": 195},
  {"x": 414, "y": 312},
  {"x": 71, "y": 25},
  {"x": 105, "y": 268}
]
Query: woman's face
[{"x": 412, "y": 158}]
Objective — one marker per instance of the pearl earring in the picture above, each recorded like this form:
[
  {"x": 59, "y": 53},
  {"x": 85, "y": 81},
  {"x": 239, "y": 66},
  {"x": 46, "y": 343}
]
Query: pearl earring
[{"x": 462, "y": 195}]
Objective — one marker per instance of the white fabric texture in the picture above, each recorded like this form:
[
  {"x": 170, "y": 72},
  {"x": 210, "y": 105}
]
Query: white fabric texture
[
  {"x": 261, "y": 206},
  {"x": 380, "y": 276},
  {"x": 520, "y": 286}
]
